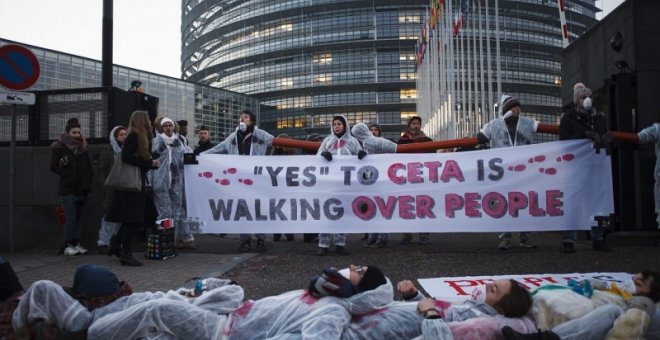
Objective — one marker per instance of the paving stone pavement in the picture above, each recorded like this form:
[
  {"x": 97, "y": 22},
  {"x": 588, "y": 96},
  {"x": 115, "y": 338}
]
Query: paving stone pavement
[{"x": 289, "y": 265}]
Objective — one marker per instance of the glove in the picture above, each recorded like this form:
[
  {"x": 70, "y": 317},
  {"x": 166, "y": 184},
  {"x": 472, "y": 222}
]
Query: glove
[
  {"x": 361, "y": 154},
  {"x": 331, "y": 283},
  {"x": 327, "y": 155}
]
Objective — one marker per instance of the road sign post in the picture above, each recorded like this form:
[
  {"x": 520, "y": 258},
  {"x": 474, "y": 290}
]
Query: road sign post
[{"x": 19, "y": 70}]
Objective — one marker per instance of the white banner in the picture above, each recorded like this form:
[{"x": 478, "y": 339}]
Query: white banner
[
  {"x": 458, "y": 289},
  {"x": 548, "y": 186}
]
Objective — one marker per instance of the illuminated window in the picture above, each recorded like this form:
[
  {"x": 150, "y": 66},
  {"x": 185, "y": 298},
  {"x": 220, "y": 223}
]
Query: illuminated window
[
  {"x": 408, "y": 75},
  {"x": 407, "y": 56},
  {"x": 285, "y": 83},
  {"x": 322, "y": 59},
  {"x": 409, "y": 18},
  {"x": 323, "y": 78},
  {"x": 286, "y": 27},
  {"x": 407, "y": 36},
  {"x": 408, "y": 94}
]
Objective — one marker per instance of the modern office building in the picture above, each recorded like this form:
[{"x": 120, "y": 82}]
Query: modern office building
[
  {"x": 308, "y": 60},
  {"x": 198, "y": 104}
]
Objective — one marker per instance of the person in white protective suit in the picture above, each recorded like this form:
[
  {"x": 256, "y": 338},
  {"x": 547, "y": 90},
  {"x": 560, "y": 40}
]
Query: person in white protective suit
[
  {"x": 373, "y": 145},
  {"x": 167, "y": 182},
  {"x": 49, "y": 302},
  {"x": 322, "y": 311},
  {"x": 339, "y": 142},
  {"x": 511, "y": 129},
  {"x": 247, "y": 140},
  {"x": 652, "y": 134}
]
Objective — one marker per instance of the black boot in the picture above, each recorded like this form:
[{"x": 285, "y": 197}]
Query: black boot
[
  {"x": 510, "y": 334},
  {"x": 9, "y": 283},
  {"x": 114, "y": 248},
  {"x": 126, "y": 235},
  {"x": 127, "y": 259}
]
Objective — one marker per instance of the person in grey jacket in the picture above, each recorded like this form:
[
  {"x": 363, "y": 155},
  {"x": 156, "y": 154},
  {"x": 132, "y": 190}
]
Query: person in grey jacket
[
  {"x": 250, "y": 141},
  {"x": 511, "y": 129},
  {"x": 167, "y": 182},
  {"x": 373, "y": 145},
  {"x": 652, "y": 134},
  {"x": 339, "y": 142}
]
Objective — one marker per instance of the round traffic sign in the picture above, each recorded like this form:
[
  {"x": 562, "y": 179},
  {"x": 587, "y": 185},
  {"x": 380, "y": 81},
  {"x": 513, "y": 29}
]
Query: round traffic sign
[{"x": 19, "y": 68}]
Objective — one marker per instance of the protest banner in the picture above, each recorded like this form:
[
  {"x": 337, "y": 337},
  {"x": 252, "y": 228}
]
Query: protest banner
[
  {"x": 549, "y": 186},
  {"x": 458, "y": 289}
]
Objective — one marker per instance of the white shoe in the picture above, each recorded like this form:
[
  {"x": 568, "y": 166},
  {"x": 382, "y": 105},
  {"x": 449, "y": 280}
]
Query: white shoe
[
  {"x": 71, "y": 250},
  {"x": 505, "y": 244},
  {"x": 80, "y": 249}
]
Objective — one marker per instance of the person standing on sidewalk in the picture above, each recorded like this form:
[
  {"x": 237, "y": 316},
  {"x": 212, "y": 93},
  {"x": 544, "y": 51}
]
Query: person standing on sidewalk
[
  {"x": 414, "y": 134},
  {"x": 128, "y": 208},
  {"x": 204, "y": 141},
  {"x": 339, "y": 142},
  {"x": 247, "y": 140},
  {"x": 106, "y": 160},
  {"x": 71, "y": 162},
  {"x": 652, "y": 134},
  {"x": 580, "y": 120},
  {"x": 510, "y": 130},
  {"x": 373, "y": 144},
  {"x": 167, "y": 182}
]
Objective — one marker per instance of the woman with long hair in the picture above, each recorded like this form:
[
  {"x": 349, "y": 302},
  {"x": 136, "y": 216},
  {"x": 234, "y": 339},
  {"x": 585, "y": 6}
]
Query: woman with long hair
[
  {"x": 106, "y": 160},
  {"x": 128, "y": 207}
]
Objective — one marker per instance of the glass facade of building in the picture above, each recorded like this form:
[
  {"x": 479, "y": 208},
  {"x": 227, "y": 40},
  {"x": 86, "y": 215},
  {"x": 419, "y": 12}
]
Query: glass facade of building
[
  {"x": 308, "y": 60},
  {"x": 198, "y": 104}
]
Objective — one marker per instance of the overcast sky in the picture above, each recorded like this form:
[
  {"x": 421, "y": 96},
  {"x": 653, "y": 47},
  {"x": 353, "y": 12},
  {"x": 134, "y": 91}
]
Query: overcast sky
[{"x": 147, "y": 33}]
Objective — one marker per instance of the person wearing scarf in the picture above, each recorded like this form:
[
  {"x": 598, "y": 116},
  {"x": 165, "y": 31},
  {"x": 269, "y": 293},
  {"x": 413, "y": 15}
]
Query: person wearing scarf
[
  {"x": 167, "y": 182},
  {"x": 510, "y": 129},
  {"x": 414, "y": 134},
  {"x": 70, "y": 161},
  {"x": 247, "y": 140}
]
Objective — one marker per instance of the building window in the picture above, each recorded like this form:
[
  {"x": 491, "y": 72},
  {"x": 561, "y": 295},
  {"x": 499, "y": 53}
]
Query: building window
[
  {"x": 322, "y": 59},
  {"x": 408, "y": 94}
]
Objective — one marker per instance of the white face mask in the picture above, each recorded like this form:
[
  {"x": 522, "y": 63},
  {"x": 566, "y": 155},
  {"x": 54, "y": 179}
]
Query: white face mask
[
  {"x": 478, "y": 294},
  {"x": 586, "y": 103},
  {"x": 242, "y": 126},
  {"x": 346, "y": 273}
]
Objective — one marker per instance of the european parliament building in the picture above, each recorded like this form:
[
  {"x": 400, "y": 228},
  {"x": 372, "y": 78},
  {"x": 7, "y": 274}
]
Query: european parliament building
[{"x": 308, "y": 60}]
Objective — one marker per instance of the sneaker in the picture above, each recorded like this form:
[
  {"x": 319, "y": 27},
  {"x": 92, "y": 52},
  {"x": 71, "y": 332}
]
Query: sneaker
[
  {"x": 245, "y": 246},
  {"x": 600, "y": 245},
  {"x": 567, "y": 248},
  {"x": 71, "y": 250},
  {"x": 379, "y": 244},
  {"x": 190, "y": 245},
  {"x": 369, "y": 243},
  {"x": 261, "y": 246},
  {"x": 80, "y": 249},
  {"x": 527, "y": 244},
  {"x": 406, "y": 240},
  {"x": 505, "y": 244}
]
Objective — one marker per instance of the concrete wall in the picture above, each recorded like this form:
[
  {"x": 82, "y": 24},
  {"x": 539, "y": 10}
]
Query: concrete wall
[
  {"x": 628, "y": 100},
  {"x": 36, "y": 199}
]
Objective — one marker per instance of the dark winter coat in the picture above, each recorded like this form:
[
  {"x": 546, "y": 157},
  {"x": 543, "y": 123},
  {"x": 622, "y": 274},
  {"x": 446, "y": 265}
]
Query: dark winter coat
[
  {"x": 203, "y": 146},
  {"x": 75, "y": 171},
  {"x": 575, "y": 125}
]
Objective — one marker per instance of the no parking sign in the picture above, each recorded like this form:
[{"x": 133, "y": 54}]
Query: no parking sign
[{"x": 19, "y": 68}]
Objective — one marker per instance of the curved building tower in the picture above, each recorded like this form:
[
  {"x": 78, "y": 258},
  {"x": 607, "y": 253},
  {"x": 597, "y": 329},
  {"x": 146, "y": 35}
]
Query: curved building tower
[{"x": 308, "y": 60}]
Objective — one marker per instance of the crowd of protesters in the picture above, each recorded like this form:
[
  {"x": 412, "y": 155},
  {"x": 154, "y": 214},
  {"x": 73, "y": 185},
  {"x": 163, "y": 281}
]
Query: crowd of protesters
[{"x": 158, "y": 149}]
